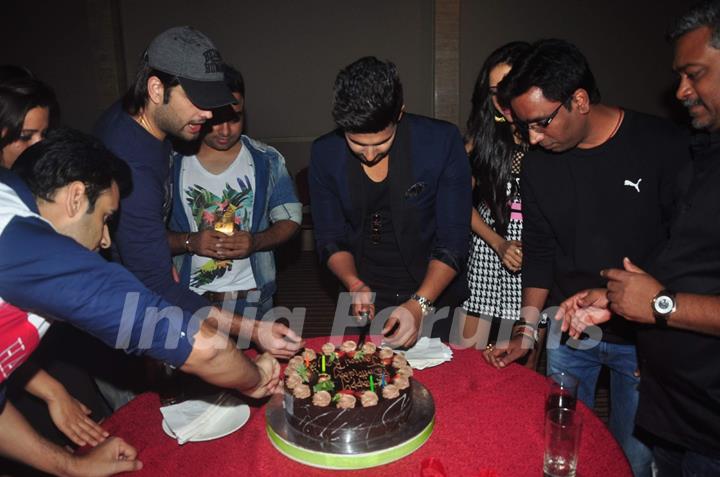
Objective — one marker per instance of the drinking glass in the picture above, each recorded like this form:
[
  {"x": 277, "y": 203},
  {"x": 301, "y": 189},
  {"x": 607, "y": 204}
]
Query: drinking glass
[
  {"x": 562, "y": 391},
  {"x": 562, "y": 441}
]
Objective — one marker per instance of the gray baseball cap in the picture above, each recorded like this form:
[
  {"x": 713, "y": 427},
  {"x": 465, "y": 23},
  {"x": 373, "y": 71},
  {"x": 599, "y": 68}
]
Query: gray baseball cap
[{"x": 191, "y": 56}]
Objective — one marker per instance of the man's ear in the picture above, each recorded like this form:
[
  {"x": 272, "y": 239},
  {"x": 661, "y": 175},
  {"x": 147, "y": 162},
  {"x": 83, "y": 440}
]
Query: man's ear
[
  {"x": 156, "y": 90},
  {"x": 581, "y": 100},
  {"x": 76, "y": 201}
]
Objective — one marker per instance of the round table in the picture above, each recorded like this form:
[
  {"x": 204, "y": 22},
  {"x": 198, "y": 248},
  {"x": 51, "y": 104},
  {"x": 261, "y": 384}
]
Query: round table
[{"x": 487, "y": 421}]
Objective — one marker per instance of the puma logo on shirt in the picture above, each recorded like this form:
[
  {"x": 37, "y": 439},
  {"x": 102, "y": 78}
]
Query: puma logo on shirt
[{"x": 636, "y": 185}]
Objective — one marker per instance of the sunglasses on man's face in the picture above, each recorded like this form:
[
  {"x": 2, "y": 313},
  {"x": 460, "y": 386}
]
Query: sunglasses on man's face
[{"x": 540, "y": 124}]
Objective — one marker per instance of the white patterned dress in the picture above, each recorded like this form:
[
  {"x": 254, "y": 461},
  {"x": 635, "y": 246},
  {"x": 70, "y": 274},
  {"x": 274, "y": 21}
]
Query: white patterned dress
[{"x": 494, "y": 290}]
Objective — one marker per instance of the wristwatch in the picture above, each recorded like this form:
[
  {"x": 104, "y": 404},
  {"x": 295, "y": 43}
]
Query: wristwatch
[
  {"x": 425, "y": 305},
  {"x": 663, "y": 305}
]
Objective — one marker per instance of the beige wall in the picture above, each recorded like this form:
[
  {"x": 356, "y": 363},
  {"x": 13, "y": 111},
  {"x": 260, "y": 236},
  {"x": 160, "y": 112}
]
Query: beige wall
[
  {"x": 290, "y": 51},
  {"x": 623, "y": 41}
]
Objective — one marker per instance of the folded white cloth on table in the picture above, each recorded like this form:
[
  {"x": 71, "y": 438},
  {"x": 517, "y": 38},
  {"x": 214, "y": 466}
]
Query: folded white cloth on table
[
  {"x": 188, "y": 418},
  {"x": 428, "y": 352}
]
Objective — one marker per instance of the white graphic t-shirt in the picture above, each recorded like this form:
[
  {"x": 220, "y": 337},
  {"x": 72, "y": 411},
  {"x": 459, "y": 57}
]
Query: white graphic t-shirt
[{"x": 222, "y": 202}]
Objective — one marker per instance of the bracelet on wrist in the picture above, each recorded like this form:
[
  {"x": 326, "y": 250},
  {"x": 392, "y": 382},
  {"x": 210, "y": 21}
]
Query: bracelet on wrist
[
  {"x": 356, "y": 286},
  {"x": 526, "y": 330}
]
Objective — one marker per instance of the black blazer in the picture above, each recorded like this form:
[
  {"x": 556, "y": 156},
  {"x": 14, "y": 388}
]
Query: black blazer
[{"x": 430, "y": 192}]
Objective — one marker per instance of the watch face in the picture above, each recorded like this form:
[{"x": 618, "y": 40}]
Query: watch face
[{"x": 664, "y": 304}]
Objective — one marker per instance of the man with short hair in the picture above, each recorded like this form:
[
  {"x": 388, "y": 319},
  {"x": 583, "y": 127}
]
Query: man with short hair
[
  {"x": 53, "y": 212},
  {"x": 243, "y": 185},
  {"x": 676, "y": 301},
  {"x": 600, "y": 187},
  {"x": 179, "y": 81},
  {"x": 390, "y": 196}
]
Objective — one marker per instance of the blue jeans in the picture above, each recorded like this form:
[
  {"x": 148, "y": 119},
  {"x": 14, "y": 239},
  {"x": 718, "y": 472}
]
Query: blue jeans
[
  {"x": 586, "y": 365},
  {"x": 681, "y": 463}
]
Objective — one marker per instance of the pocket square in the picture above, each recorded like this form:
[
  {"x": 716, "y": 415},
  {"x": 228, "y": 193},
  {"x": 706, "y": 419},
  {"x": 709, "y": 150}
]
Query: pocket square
[{"x": 414, "y": 190}]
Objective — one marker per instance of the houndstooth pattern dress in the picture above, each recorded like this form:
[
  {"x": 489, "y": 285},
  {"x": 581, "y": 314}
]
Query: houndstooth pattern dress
[{"x": 494, "y": 290}]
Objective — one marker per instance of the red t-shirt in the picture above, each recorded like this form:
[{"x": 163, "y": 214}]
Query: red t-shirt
[{"x": 19, "y": 337}]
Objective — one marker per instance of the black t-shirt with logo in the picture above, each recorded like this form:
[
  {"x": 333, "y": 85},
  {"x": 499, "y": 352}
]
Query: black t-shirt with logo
[{"x": 586, "y": 209}]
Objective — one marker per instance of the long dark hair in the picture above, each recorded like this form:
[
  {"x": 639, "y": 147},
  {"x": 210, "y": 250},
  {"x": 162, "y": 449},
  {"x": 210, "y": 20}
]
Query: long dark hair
[
  {"x": 18, "y": 95},
  {"x": 492, "y": 143}
]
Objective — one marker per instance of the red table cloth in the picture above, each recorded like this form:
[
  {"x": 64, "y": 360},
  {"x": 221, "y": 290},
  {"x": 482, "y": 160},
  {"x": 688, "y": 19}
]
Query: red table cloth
[{"x": 487, "y": 422}]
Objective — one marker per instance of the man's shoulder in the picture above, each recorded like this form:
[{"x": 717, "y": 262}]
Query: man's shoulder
[
  {"x": 330, "y": 139},
  {"x": 426, "y": 124},
  {"x": 125, "y": 138},
  {"x": 662, "y": 128},
  {"x": 327, "y": 148},
  {"x": 111, "y": 124},
  {"x": 256, "y": 147}
]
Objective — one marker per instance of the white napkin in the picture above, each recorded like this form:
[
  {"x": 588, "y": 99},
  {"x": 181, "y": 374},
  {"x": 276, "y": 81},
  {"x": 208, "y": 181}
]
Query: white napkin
[
  {"x": 188, "y": 418},
  {"x": 428, "y": 352}
]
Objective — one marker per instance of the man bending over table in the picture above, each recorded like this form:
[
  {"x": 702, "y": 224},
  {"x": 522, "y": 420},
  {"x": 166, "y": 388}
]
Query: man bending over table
[{"x": 54, "y": 211}]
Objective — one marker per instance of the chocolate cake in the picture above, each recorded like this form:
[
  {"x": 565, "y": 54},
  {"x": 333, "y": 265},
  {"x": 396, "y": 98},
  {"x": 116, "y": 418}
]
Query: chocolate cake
[{"x": 362, "y": 394}]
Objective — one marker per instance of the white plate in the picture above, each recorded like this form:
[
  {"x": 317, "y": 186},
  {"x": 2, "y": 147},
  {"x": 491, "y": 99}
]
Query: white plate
[{"x": 232, "y": 422}]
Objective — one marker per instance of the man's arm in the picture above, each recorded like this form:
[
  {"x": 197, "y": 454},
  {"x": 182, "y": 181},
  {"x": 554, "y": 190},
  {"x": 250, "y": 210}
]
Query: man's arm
[
  {"x": 284, "y": 212},
  {"x": 342, "y": 264},
  {"x": 631, "y": 291},
  {"x": 141, "y": 241},
  {"x": 700, "y": 313},
  {"x": 278, "y": 233},
  {"x": 538, "y": 248},
  {"x": 216, "y": 360},
  {"x": 453, "y": 206},
  {"x": 67, "y": 413},
  {"x": 453, "y": 209},
  {"x": 53, "y": 275},
  {"x": 329, "y": 221},
  {"x": 409, "y": 314},
  {"x": 533, "y": 301},
  {"x": 20, "y": 442}
]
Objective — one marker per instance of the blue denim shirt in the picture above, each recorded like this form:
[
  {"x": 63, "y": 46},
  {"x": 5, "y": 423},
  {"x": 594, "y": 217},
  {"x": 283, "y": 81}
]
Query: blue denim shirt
[{"x": 275, "y": 200}]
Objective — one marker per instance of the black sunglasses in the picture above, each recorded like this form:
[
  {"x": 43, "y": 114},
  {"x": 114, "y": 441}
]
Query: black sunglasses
[{"x": 540, "y": 124}]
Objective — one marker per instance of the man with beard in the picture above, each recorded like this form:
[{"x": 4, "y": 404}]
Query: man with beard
[
  {"x": 676, "y": 301},
  {"x": 391, "y": 205},
  {"x": 179, "y": 81},
  {"x": 53, "y": 216},
  {"x": 600, "y": 187}
]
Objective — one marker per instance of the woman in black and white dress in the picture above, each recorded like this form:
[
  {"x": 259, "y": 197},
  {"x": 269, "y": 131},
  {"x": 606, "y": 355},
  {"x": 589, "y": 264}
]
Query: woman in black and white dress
[{"x": 495, "y": 151}]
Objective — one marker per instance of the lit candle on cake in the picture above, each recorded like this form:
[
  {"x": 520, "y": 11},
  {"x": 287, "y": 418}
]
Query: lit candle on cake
[{"x": 323, "y": 363}]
